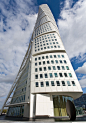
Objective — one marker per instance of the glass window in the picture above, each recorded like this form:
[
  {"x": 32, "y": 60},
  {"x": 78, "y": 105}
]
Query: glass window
[
  {"x": 35, "y": 69},
  {"x": 67, "y": 67},
  {"x": 39, "y": 63},
  {"x": 40, "y": 69},
  {"x": 73, "y": 83},
  {"x": 35, "y": 64},
  {"x": 70, "y": 74},
  {"x": 50, "y": 56},
  {"x": 54, "y": 56},
  {"x": 36, "y": 76},
  {"x": 45, "y": 69},
  {"x": 48, "y": 62},
  {"x": 56, "y": 61},
  {"x": 42, "y": 84},
  {"x": 43, "y": 62},
  {"x": 55, "y": 39},
  {"x": 58, "y": 46},
  {"x": 58, "y": 67},
  {"x": 42, "y": 57},
  {"x": 35, "y": 59},
  {"x": 44, "y": 47},
  {"x": 58, "y": 83},
  {"x": 47, "y": 83},
  {"x": 50, "y": 75},
  {"x": 46, "y": 76},
  {"x": 49, "y": 68},
  {"x": 62, "y": 56},
  {"x": 52, "y": 83},
  {"x": 51, "y": 46},
  {"x": 52, "y": 61},
  {"x": 58, "y": 56},
  {"x": 68, "y": 83},
  {"x": 55, "y": 46},
  {"x": 41, "y": 76},
  {"x": 55, "y": 74},
  {"x": 63, "y": 68},
  {"x": 60, "y": 61},
  {"x": 46, "y": 57},
  {"x": 65, "y": 74},
  {"x": 41, "y": 48},
  {"x": 39, "y": 58},
  {"x": 37, "y": 84},
  {"x": 54, "y": 68},
  {"x": 65, "y": 61},
  {"x": 56, "y": 42},
  {"x": 60, "y": 74},
  {"x": 63, "y": 83}
]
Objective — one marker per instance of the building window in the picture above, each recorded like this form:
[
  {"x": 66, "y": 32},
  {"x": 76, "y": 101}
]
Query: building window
[
  {"x": 58, "y": 83},
  {"x": 42, "y": 57},
  {"x": 70, "y": 74},
  {"x": 60, "y": 74},
  {"x": 55, "y": 74},
  {"x": 56, "y": 61},
  {"x": 50, "y": 75},
  {"x": 35, "y": 69},
  {"x": 63, "y": 83},
  {"x": 48, "y": 62},
  {"x": 62, "y": 56},
  {"x": 35, "y": 59},
  {"x": 65, "y": 74},
  {"x": 44, "y": 68},
  {"x": 42, "y": 84},
  {"x": 63, "y": 68},
  {"x": 54, "y": 68},
  {"x": 46, "y": 57},
  {"x": 49, "y": 68},
  {"x": 73, "y": 83},
  {"x": 40, "y": 69},
  {"x": 47, "y": 83},
  {"x": 37, "y": 84},
  {"x": 35, "y": 64},
  {"x": 41, "y": 76},
  {"x": 36, "y": 76},
  {"x": 50, "y": 56},
  {"x": 39, "y": 58},
  {"x": 39, "y": 63},
  {"x": 60, "y": 61},
  {"x": 46, "y": 76},
  {"x": 52, "y": 61},
  {"x": 68, "y": 83},
  {"x": 43, "y": 62},
  {"x": 54, "y": 56},
  {"x": 58, "y": 67},
  {"x": 67, "y": 67},
  {"x": 52, "y": 83},
  {"x": 58, "y": 56},
  {"x": 65, "y": 62}
]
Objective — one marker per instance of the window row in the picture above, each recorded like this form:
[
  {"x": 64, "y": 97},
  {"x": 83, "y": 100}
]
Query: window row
[
  {"x": 45, "y": 40},
  {"x": 54, "y": 83},
  {"x": 52, "y": 62},
  {"x": 52, "y": 68},
  {"x": 51, "y": 75},
  {"x": 55, "y": 43},
  {"x": 48, "y": 48},
  {"x": 50, "y": 56}
]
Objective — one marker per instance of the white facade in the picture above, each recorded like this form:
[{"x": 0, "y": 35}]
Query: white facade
[{"x": 47, "y": 72}]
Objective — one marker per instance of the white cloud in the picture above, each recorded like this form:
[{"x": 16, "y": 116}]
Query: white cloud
[
  {"x": 72, "y": 27},
  {"x": 16, "y": 25},
  {"x": 81, "y": 69},
  {"x": 83, "y": 83}
]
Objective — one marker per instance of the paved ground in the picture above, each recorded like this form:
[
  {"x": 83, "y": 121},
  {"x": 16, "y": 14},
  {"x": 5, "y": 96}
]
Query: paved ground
[{"x": 79, "y": 119}]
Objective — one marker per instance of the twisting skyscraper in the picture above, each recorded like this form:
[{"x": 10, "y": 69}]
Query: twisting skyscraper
[{"x": 46, "y": 79}]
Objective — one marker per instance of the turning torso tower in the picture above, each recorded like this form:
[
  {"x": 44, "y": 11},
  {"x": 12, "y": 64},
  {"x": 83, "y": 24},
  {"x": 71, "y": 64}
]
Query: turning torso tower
[{"x": 46, "y": 79}]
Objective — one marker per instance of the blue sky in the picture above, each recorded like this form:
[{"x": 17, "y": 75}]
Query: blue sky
[{"x": 17, "y": 20}]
